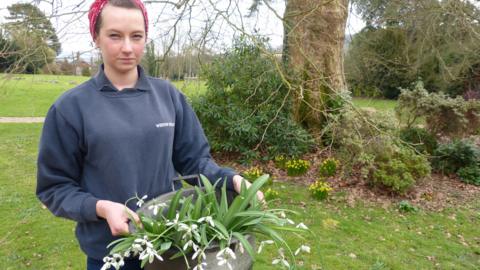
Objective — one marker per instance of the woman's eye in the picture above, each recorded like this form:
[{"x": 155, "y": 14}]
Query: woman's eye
[
  {"x": 138, "y": 36},
  {"x": 114, "y": 36}
]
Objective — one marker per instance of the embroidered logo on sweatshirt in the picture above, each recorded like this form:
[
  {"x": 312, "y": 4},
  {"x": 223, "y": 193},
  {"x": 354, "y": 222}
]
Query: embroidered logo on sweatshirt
[{"x": 160, "y": 125}]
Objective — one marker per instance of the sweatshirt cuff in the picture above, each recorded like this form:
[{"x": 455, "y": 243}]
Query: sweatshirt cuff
[
  {"x": 230, "y": 182},
  {"x": 89, "y": 209}
]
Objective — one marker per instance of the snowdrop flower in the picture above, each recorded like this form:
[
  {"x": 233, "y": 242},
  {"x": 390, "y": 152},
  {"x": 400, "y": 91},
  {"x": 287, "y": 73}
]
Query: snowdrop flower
[
  {"x": 173, "y": 222},
  {"x": 156, "y": 207},
  {"x": 189, "y": 230},
  {"x": 267, "y": 242},
  {"x": 200, "y": 253},
  {"x": 282, "y": 260},
  {"x": 200, "y": 266},
  {"x": 207, "y": 219},
  {"x": 240, "y": 247},
  {"x": 302, "y": 248},
  {"x": 115, "y": 260},
  {"x": 302, "y": 226},
  {"x": 289, "y": 221},
  {"x": 224, "y": 255},
  {"x": 282, "y": 214},
  {"x": 151, "y": 254},
  {"x": 141, "y": 201}
]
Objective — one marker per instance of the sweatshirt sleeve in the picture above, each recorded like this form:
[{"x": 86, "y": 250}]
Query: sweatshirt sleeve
[
  {"x": 191, "y": 151},
  {"x": 59, "y": 169}
]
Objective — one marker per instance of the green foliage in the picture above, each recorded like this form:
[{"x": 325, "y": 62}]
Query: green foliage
[
  {"x": 247, "y": 108},
  {"x": 368, "y": 142},
  {"x": 192, "y": 223},
  {"x": 319, "y": 189},
  {"x": 329, "y": 167},
  {"x": 444, "y": 116},
  {"x": 470, "y": 175},
  {"x": 406, "y": 40},
  {"x": 450, "y": 157},
  {"x": 398, "y": 168},
  {"x": 297, "y": 167},
  {"x": 406, "y": 207},
  {"x": 420, "y": 139},
  {"x": 377, "y": 64}
]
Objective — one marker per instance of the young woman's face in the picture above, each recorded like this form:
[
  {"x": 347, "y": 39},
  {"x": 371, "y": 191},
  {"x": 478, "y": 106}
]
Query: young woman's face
[{"x": 121, "y": 38}]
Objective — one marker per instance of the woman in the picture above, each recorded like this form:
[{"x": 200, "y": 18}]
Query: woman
[{"x": 119, "y": 135}]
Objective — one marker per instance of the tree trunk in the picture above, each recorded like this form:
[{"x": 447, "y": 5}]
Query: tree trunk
[{"x": 313, "y": 54}]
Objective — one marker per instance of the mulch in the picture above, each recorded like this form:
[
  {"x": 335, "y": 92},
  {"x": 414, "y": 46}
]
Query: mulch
[{"x": 434, "y": 193}]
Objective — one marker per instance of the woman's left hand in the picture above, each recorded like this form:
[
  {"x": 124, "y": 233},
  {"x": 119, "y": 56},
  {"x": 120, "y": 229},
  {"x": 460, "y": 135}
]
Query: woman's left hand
[{"x": 237, "y": 185}]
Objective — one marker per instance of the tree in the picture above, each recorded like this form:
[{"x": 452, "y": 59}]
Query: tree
[
  {"x": 314, "y": 33},
  {"x": 439, "y": 45},
  {"x": 32, "y": 20}
]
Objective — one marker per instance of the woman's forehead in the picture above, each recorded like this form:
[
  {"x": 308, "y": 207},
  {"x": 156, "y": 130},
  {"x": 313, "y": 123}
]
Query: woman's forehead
[{"x": 122, "y": 19}]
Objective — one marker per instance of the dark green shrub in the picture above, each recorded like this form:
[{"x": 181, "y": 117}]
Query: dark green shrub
[
  {"x": 420, "y": 139},
  {"x": 450, "y": 157},
  {"x": 398, "y": 168},
  {"x": 406, "y": 207},
  {"x": 470, "y": 175},
  {"x": 246, "y": 108}
]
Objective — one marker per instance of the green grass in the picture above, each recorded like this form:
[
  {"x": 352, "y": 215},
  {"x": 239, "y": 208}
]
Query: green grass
[
  {"x": 378, "y": 104},
  {"x": 31, "y": 238},
  {"x": 32, "y": 95}
]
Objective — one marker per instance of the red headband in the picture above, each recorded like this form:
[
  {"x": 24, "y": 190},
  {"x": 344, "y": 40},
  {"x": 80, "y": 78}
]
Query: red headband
[{"x": 97, "y": 7}]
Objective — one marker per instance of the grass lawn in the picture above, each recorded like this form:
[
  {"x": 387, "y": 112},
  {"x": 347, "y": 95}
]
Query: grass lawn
[
  {"x": 378, "y": 104},
  {"x": 32, "y": 95},
  {"x": 343, "y": 237}
]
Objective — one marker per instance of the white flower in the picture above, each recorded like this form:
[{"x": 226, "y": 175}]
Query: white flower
[
  {"x": 115, "y": 260},
  {"x": 281, "y": 259},
  {"x": 156, "y": 207},
  {"x": 200, "y": 253},
  {"x": 151, "y": 254},
  {"x": 282, "y": 214},
  {"x": 141, "y": 201},
  {"x": 240, "y": 247},
  {"x": 223, "y": 256},
  {"x": 266, "y": 242},
  {"x": 173, "y": 222},
  {"x": 290, "y": 221},
  {"x": 302, "y": 226},
  {"x": 207, "y": 219},
  {"x": 200, "y": 266},
  {"x": 302, "y": 248}
]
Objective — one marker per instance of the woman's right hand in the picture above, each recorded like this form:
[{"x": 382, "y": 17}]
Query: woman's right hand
[{"x": 117, "y": 216}]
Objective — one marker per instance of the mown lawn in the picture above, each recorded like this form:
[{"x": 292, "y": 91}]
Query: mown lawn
[
  {"x": 32, "y": 95},
  {"x": 343, "y": 237}
]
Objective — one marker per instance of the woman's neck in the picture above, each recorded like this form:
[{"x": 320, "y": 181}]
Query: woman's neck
[{"x": 122, "y": 80}]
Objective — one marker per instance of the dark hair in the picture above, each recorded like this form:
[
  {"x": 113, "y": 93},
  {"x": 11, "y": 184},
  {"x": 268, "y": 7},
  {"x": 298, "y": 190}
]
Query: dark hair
[{"x": 116, "y": 3}]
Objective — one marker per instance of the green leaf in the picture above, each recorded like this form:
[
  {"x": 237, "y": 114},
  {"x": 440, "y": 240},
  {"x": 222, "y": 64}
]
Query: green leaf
[
  {"x": 174, "y": 205},
  {"x": 185, "y": 207}
]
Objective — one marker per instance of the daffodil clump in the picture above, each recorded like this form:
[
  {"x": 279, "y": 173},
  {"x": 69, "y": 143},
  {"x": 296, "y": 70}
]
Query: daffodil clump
[
  {"x": 329, "y": 167},
  {"x": 253, "y": 173},
  {"x": 320, "y": 189},
  {"x": 280, "y": 161},
  {"x": 271, "y": 194},
  {"x": 296, "y": 167},
  {"x": 189, "y": 226}
]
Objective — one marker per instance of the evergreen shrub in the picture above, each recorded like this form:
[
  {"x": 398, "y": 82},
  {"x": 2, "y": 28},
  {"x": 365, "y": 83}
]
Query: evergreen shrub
[
  {"x": 420, "y": 139},
  {"x": 450, "y": 157},
  {"x": 246, "y": 108},
  {"x": 470, "y": 175}
]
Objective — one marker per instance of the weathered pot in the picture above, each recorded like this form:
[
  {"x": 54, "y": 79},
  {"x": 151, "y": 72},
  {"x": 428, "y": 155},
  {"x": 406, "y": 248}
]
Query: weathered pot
[{"x": 243, "y": 260}]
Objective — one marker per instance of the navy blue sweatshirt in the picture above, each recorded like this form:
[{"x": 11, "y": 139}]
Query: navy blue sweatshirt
[{"x": 99, "y": 143}]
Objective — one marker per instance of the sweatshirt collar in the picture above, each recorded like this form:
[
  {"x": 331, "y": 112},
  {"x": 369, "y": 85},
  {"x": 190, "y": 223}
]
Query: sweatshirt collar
[{"x": 104, "y": 84}]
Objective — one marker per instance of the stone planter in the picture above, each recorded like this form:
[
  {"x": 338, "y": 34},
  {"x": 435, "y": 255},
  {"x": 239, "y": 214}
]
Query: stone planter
[{"x": 242, "y": 262}]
